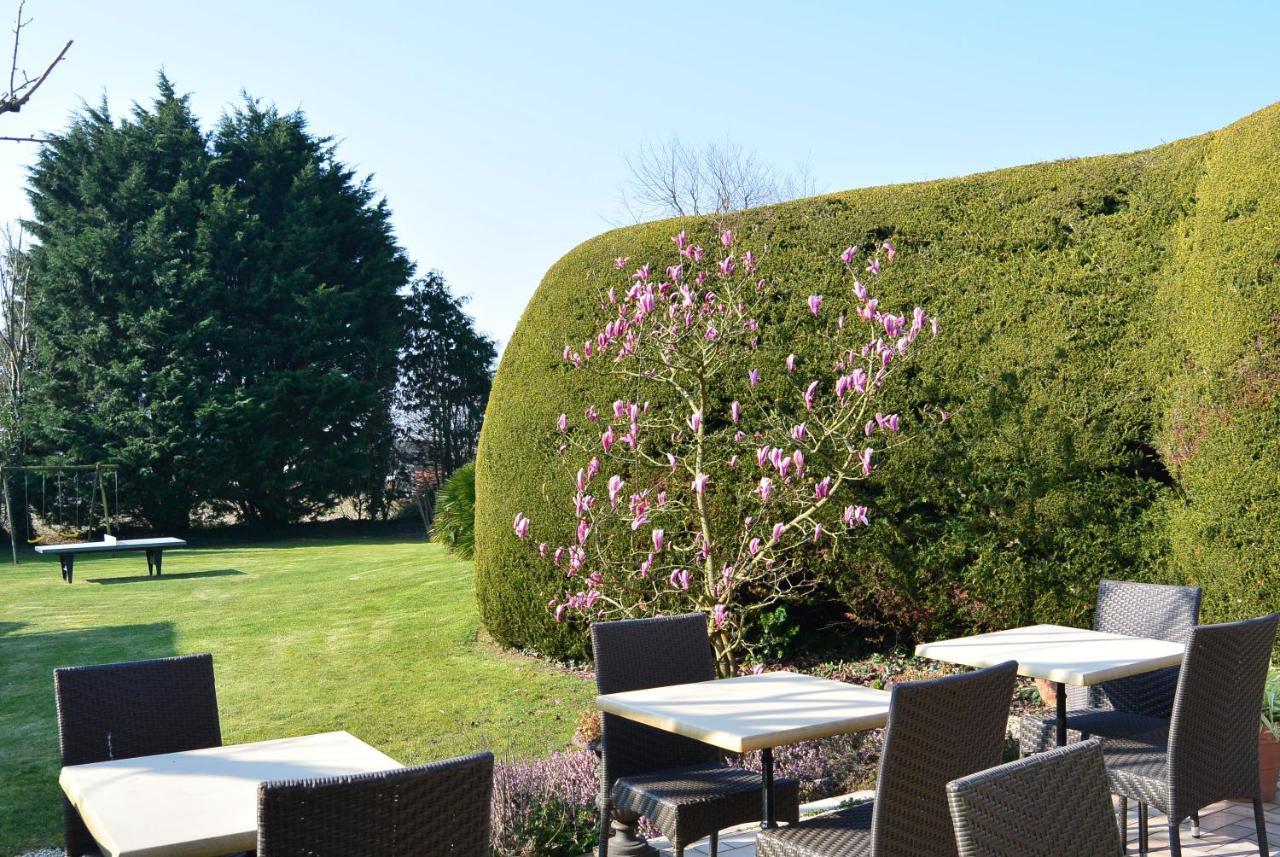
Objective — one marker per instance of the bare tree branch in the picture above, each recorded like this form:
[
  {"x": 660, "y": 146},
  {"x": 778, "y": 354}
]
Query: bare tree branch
[
  {"x": 673, "y": 179},
  {"x": 19, "y": 93}
]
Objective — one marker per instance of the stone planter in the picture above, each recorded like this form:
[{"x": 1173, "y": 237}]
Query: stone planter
[{"x": 1268, "y": 763}]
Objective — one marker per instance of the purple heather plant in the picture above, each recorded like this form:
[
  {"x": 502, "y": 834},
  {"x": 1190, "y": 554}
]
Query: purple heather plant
[{"x": 658, "y": 545}]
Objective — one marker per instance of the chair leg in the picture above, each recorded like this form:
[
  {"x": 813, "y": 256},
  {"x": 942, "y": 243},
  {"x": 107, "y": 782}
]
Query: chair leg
[
  {"x": 715, "y": 843},
  {"x": 1122, "y": 819},
  {"x": 1142, "y": 829},
  {"x": 1175, "y": 844},
  {"x": 1195, "y": 824},
  {"x": 1260, "y": 821},
  {"x": 602, "y": 849}
]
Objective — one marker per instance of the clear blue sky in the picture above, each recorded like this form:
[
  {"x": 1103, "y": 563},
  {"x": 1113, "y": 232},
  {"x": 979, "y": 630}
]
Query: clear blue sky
[{"x": 498, "y": 132}]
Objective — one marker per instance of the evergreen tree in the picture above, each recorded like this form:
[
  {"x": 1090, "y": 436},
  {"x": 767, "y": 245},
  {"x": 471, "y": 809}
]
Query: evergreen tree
[
  {"x": 446, "y": 368},
  {"x": 219, "y": 314}
]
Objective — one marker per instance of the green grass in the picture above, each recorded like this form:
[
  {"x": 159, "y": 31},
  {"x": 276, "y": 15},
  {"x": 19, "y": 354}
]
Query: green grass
[{"x": 375, "y": 637}]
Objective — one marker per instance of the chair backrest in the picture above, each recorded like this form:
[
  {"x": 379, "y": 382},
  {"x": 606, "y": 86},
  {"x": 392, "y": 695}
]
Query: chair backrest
[
  {"x": 1213, "y": 734},
  {"x": 138, "y": 708},
  {"x": 939, "y": 729},
  {"x": 1046, "y": 805},
  {"x": 1153, "y": 610},
  {"x": 433, "y": 810},
  {"x": 634, "y": 654}
]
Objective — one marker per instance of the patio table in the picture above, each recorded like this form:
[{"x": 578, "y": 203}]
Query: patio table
[
  {"x": 1061, "y": 655},
  {"x": 202, "y": 803},
  {"x": 755, "y": 712}
]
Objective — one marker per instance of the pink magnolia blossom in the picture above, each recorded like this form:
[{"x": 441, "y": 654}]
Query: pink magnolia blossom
[
  {"x": 865, "y": 458},
  {"x": 753, "y": 376},
  {"x": 735, "y": 412},
  {"x": 542, "y": 550},
  {"x": 799, "y": 431},
  {"x": 681, "y": 240},
  {"x": 607, "y": 439},
  {"x": 815, "y": 304},
  {"x": 797, "y": 458},
  {"x": 615, "y": 489},
  {"x": 592, "y": 414},
  {"x": 679, "y": 578},
  {"x": 765, "y": 489},
  {"x": 658, "y": 540},
  {"x": 584, "y": 530},
  {"x": 778, "y": 529},
  {"x": 754, "y": 546},
  {"x": 726, "y": 266},
  {"x": 619, "y": 408},
  {"x": 593, "y": 467},
  {"x": 563, "y": 423},
  {"x": 822, "y": 490},
  {"x": 733, "y": 461},
  {"x": 718, "y": 616},
  {"x": 620, "y": 263},
  {"x": 791, "y": 363},
  {"x": 700, "y": 483},
  {"x": 560, "y": 611},
  {"x": 890, "y": 251},
  {"x": 848, "y": 254},
  {"x": 646, "y": 566},
  {"x": 695, "y": 420},
  {"x": 810, "y": 392},
  {"x": 762, "y": 456},
  {"x": 726, "y": 238},
  {"x": 521, "y": 526},
  {"x": 817, "y": 533}
]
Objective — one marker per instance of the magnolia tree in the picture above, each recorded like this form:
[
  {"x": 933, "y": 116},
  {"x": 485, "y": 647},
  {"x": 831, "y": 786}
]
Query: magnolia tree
[{"x": 666, "y": 519}]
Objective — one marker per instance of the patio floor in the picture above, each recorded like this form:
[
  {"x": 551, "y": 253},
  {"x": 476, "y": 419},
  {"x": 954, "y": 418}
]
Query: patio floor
[{"x": 1226, "y": 831}]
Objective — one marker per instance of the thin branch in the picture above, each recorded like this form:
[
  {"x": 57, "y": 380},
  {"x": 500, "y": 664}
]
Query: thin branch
[
  {"x": 13, "y": 102},
  {"x": 25, "y": 139}
]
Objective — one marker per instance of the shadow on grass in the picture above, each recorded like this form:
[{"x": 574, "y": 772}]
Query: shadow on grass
[{"x": 189, "y": 575}]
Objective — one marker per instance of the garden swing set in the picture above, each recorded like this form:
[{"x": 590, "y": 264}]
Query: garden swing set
[{"x": 69, "y": 515}]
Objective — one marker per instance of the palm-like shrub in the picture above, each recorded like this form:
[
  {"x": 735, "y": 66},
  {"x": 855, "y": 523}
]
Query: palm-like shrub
[{"x": 454, "y": 522}]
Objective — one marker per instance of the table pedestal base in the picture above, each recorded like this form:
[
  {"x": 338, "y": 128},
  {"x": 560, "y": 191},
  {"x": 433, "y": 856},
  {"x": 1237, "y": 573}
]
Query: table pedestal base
[{"x": 625, "y": 840}]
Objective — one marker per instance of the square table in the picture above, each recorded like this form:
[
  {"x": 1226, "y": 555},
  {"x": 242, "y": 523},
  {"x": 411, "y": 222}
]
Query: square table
[
  {"x": 755, "y": 712},
  {"x": 202, "y": 803},
  {"x": 1061, "y": 655}
]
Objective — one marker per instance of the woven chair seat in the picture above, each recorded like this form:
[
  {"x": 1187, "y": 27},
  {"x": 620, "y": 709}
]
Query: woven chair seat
[
  {"x": 692, "y": 802},
  {"x": 1138, "y": 770},
  {"x": 1037, "y": 734},
  {"x": 847, "y": 833}
]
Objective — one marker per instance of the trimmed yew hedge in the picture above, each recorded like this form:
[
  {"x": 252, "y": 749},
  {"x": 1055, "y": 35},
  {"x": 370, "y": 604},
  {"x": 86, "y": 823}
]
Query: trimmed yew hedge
[{"x": 1110, "y": 358}]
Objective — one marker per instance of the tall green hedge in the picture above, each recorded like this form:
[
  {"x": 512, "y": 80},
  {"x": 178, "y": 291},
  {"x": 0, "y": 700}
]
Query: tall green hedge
[{"x": 1110, "y": 360}]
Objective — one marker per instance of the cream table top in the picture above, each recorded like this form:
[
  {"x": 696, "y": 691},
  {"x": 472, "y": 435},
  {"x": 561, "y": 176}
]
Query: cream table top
[
  {"x": 1057, "y": 653},
  {"x": 202, "y": 803},
  {"x": 754, "y": 711}
]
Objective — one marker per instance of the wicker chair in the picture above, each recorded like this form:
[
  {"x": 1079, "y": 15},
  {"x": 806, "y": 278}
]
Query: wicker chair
[
  {"x": 1212, "y": 750},
  {"x": 1052, "y": 804},
  {"x": 435, "y": 810},
  {"x": 1135, "y": 707},
  {"x": 681, "y": 785},
  {"x": 939, "y": 729},
  {"x": 141, "y": 708}
]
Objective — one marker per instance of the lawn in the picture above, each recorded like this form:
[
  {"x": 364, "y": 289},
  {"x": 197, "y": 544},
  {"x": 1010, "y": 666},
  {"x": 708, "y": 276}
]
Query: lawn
[{"x": 375, "y": 637}]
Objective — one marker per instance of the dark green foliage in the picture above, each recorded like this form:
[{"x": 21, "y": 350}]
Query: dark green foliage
[
  {"x": 454, "y": 522},
  {"x": 1109, "y": 363},
  {"x": 218, "y": 315},
  {"x": 446, "y": 369}
]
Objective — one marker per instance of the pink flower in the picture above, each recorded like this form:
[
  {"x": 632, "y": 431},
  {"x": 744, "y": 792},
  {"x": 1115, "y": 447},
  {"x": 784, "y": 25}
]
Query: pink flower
[
  {"x": 815, "y": 303},
  {"x": 592, "y": 414},
  {"x": 560, "y": 611},
  {"x": 765, "y": 488},
  {"x": 726, "y": 266},
  {"x": 797, "y": 458},
  {"x": 777, "y": 532},
  {"x": 754, "y": 546},
  {"x": 733, "y": 461},
  {"x": 859, "y": 290},
  {"x": 563, "y": 422},
  {"x": 718, "y": 616},
  {"x": 607, "y": 439},
  {"x": 865, "y": 458},
  {"x": 822, "y": 490},
  {"x": 695, "y": 421},
  {"x": 658, "y": 540},
  {"x": 671, "y": 460},
  {"x": 584, "y": 530},
  {"x": 892, "y": 422},
  {"x": 620, "y": 262},
  {"x": 557, "y": 556},
  {"x": 762, "y": 456},
  {"x": 817, "y": 533},
  {"x": 738, "y": 436},
  {"x": 799, "y": 431},
  {"x": 859, "y": 380},
  {"x": 791, "y": 363},
  {"x": 542, "y": 550},
  {"x": 679, "y": 578},
  {"x": 521, "y": 526},
  {"x": 890, "y": 251},
  {"x": 681, "y": 240},
  {"x": 809, "y": 395},
  {"x": 735, "y": 412},
  {"x": 874, "y": 267},
  {"x": 753, "y": 376},
  {"x": 848, "y": 254},
  {"x": 700, "y": 483},
  {"x": 869, "y": 428},
  {"x": 615, "y": 489},
  {"x": 749, "y": 262},
  {"x": 726, "y": 237},
  {"x": 593, "y": 467}
]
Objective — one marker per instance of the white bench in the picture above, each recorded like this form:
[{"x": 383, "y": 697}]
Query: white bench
[{"x": 154, "y": 547}]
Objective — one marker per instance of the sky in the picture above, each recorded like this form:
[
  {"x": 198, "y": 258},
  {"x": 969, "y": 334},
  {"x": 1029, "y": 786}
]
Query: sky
[{"x": 499, "y": 132}]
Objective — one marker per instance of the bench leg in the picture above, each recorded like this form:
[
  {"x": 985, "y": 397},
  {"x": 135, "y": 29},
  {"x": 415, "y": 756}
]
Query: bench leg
[
  {"x": 67, "y": 561},
  {"x": 155, "y": 560}
]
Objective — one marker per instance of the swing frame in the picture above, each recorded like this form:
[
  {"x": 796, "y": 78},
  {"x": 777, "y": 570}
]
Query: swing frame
[{"x": 99, "y": 470}]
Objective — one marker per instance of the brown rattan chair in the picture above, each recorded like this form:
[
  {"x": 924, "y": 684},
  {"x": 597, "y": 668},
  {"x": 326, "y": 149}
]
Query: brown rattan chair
[
  {"x": 1052, "y": 804},
  {"x": 939, "y": 729},
  {"x": 140, "y": 708},
  {"x": 681, "y": 785},
  {"x": 435, "y": 810},
  {"x": 1134, "y": 707},
  {"x": 1212, "y": 750}
]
